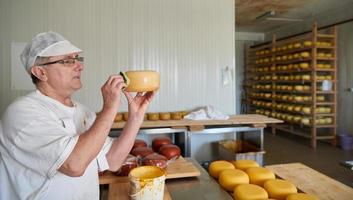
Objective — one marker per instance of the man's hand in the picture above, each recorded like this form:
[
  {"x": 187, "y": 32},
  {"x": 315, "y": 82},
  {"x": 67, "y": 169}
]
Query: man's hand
[
  {"x": 111, "y": 92},
  {"x": 138, "y": 104}
]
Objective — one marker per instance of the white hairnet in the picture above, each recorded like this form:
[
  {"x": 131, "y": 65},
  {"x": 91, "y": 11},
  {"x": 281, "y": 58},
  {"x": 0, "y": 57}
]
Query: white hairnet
[{"x": 46, "y": 44}]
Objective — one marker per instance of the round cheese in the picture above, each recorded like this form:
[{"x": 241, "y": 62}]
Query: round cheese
[
  {"x": 216, "y": 167},
  {"x": 153, "y": 116},
  {"x": 279, "y": 189},
  {"x": 301, "y": 196},
  {"x": 118, "y": 117},
  {"x": 164, "y": 116},
  {"x": 258, "y": 175},
  {"x": 307, "y": 43},
  {"x": 142, "y": 81},
  {"x": 249, "y": 192},
  {"x": 230, "y": 178},
  {"x": 176, "y": 115},
  {"x": 305, "y": 54},
  {"x": 245, "y": 164}
]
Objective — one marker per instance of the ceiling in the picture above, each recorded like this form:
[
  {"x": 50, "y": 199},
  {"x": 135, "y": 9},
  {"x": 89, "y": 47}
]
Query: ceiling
[{"x": 248, "y": 10}]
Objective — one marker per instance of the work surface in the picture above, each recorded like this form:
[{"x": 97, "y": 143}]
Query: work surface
[
  {"x": 233, "y": 120},
  {"x": 199, "y": 187},
  {"x": 205, "y": 187},
  {"x": 313, "y": 182}
]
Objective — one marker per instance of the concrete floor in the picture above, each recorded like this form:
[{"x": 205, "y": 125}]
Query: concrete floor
[{"x": 288, "y": 148}]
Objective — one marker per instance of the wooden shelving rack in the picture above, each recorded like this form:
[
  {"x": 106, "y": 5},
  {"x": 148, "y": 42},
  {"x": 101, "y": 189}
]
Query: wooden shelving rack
[{"x": 295, "y": 80}]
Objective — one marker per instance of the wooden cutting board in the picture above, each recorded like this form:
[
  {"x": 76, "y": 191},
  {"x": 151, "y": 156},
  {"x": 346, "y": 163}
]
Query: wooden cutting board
[
  {"x": 312, "y": 182},
  {"x": 121, "y": 191},
  {"x": 180, "y": 168}
]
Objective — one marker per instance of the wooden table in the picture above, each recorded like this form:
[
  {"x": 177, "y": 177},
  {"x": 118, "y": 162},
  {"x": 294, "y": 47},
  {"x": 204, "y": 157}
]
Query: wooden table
[
  {"x": 312, "y": 182},
  {"x": 244, "y": 119},
  {"x": 236, "y": 123}
]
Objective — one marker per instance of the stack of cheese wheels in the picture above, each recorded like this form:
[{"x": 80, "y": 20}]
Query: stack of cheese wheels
[
  {"x": 259, "y": 175},
  {"x": 249, "y": 192},
  {"x": 245, "y": 164},
  {"x": 230, "y": 178},
  {"x": 141, "y": 80},
  {"x": 301, "y": 196},
  {"x": 279, "y": 189},
  {"x": 216, "y": 167}
]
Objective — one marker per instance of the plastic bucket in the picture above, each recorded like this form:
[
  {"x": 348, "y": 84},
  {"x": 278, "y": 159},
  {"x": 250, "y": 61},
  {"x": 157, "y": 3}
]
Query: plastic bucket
[
  {"x": 346, "y": 141},
  {"x": 147, "y": 183}
]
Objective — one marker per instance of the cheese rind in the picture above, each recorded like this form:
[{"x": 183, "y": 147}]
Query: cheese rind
[
  {"x": 258, "y": 175},
  {"x": 142, "y": 81},
  {"x": 245, "y": 164},
  {"x": 216, "y": 167},
  {"x": 279, "y": 189},
  {"x": 249, "y": 192},
  {"x": 230, "y": 178}
]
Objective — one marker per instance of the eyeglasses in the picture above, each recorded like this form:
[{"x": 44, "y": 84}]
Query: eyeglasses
[{"x": 66, "y": 62}]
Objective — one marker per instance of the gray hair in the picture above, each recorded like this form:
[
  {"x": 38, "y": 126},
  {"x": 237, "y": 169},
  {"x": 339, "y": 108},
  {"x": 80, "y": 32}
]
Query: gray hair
[{"x": 39, "y": 60}]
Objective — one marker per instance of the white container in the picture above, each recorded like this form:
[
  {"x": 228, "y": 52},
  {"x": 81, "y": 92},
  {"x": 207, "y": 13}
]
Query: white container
[
  {"x": 147, "y": 183},
  {"x": 326, "y": 85}
]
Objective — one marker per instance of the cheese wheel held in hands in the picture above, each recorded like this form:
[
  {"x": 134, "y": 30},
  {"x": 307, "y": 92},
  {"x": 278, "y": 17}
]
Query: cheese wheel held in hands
[{"x": 141, "y": 80}]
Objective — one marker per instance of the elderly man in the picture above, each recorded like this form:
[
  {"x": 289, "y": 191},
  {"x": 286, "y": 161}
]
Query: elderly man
[{"x": 52, "y": 147}]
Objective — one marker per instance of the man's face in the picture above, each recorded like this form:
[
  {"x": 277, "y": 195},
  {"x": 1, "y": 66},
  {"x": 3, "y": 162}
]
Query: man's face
[{"x": 64, "y": 76}]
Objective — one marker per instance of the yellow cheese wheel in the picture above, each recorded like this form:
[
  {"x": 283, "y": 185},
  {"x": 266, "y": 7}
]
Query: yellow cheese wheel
[
  {"x": 305, "y": 54},
  {"x": 320, "y": 98},
  {"x": 297, "y": 45},
  {"x": 304, "y": 65},
  {"x": 258, "y": 175},
  {"x": 305, "y": 121},
  {"x": 306, "y": 77},
  {"x": 153, "y": 116},
  {"x": 125, "y": 116},
  {"x": 176, "y": 115},
  {"x": 301, "y": 196},
  {"x": 321, "y": 55},
  {"x": 320, "y": 65},
  {"x": 245, "y": 164},
  {"x": 216, "y": 167},
  {"x": 118, "y": 117},
  {"x": 230, "y": 178},
  {"x": 279, "y": 189},
  {"x": 249, "y": 192},
  {"x": 142, "y": 81},
  {"x": 328, "y": 66},
  {"x": 307, "y": 43},
  {"x": 164, "y": 116},
  {"x": 306, "y": 110},
  {"x": 299, "y": 87}
]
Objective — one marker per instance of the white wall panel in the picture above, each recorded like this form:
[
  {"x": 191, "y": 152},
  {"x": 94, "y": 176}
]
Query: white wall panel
[{"x": 187, "y": 41}]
